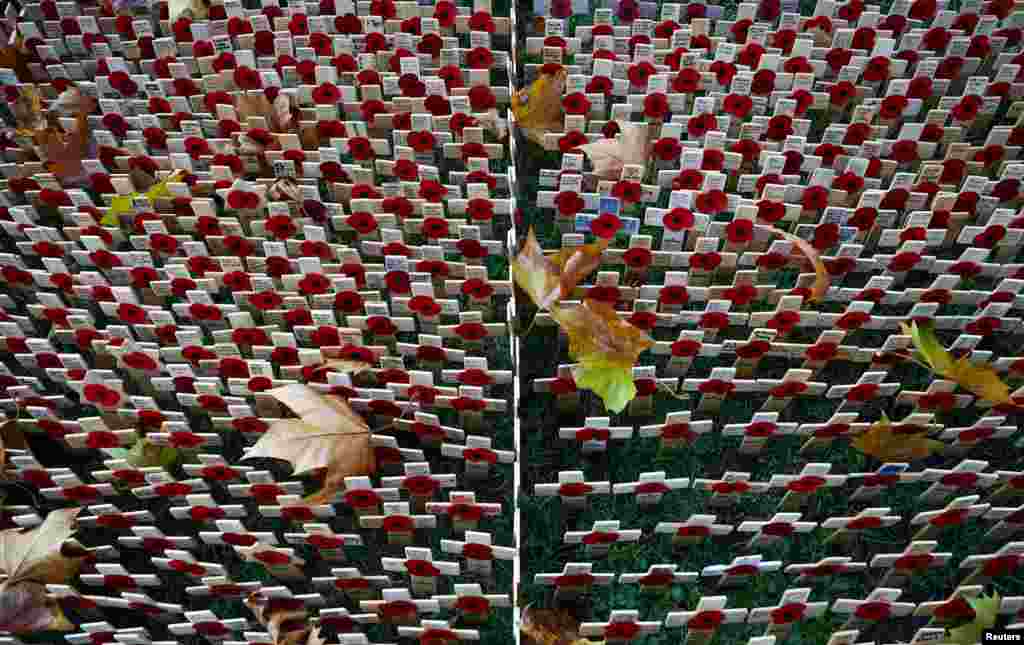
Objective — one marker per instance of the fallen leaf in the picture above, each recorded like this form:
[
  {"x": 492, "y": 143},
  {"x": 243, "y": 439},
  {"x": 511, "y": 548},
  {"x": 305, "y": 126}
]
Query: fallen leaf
[
  {"x": 606, "y": 347},
  {"x": 15, "y": 58},
  {"x": 490, "y": 120},
  {"x": 822, "y": 278},
  {"x": 548, "y": 627},
  {"x": 278, "y": 115},
  {"x": 30, "y": 559},
  {"x": 315, "y": 638},
  {"x": 144, "y": 453},
  {"x": 284, "y": 189},
  {"x": 881, "y": 442},
  {"x": 28, "y": 110},
  {"x": 986, "y": 610},
  {"x": 929, "y": 347},
  {"x": 285, "y": 626},
  {"x": 609, "y": 156},
  {"x": 64, "y": 154},
  {"x": 614, "y": 384},
  {"x": 26, "y": 608},
  {"x": 11, "y": 438},
  {"x": 982, "y": 380},
  {"x": 328, "y": 434},
  {"x": 548, "y": 279},
  {"x": 538, "y": 108}
]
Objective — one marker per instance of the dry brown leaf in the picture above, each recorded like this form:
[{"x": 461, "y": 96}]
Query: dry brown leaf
[
  {"x": 822, "y": 278},
  {"x": 881, "y": 442},
  {"x": 285, "y": 626},
  {"x": 30, "y": 559},
  {"x": 328, "y": 434},
  {"x": 15, "y": 58},
  {"x": 11, "y": 438},
  {"x": 538, "y": 108},
  {"x": 550, "y": 627},
  {"x": 547, "y": 279},
  {"x": 609, "y": 156}
]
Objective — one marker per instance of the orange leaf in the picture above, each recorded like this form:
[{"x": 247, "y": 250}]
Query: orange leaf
[
  {"x": 547, "y": 279},
  {"x": 881, "y": 442},
  {"x": 822, "y": 280}
]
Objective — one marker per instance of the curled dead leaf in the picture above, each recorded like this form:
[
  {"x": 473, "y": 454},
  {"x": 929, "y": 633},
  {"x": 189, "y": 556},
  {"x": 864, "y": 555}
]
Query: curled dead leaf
[
  {"x": 549, "y": 278},
  {"x": 822, "y": 279}
]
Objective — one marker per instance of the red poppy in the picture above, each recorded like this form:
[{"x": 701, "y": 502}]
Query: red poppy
[
  {"x": 763, "y": 83},
  {"x": 707, "y": 621},
  {"x": 990, "y": 155},
  {"x": 738, "y": 105},
  {"x": 576, "y": 103},
  {"x": 968, "y": 108},
  {"x": 814, "y": 198}
]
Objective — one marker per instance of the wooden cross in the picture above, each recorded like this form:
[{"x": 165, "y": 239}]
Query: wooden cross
[
  {"x": 781, "y": 525},
  {"x": 704, "y": 620},
  {"x": 880, "y": 605},
  {"x": 800, "y": 488},
  {"x": 650, "y": 488},
  {"x": 573, "y": 489},
  {"x": 965, "y": 476},
  {"x": 598, "y": 541},
  {"x": 471, "y": 603},
  {"x": 623, "y": 626},
  {"x": 422, "y": 569},
  {"x": 658, "y": 578},
  {"x": 740, "y": 571},
  {"x": 825, "y": 569},
  {"x": 793, "y": 608},
  {"x": 955, "y": 513},
  {"x": 762, "y": 428}
]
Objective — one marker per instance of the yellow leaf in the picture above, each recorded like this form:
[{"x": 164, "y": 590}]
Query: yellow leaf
[
  {"x": 614, "y": 384},
  {"x": 122, "y": 204},
  {"x": 606, "y": 346},
  {"x": 986, "y": 610},
  {"x": 547, "y": 279},
  {"x": 538, "y": 108},
  {"x": 982, "y": 380},
  {"x": 609, "y": 156},
  {"x": 328, "y": 434},
  {"x": 880, "y": 441},
  {"x": 822, "y": 278}
]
